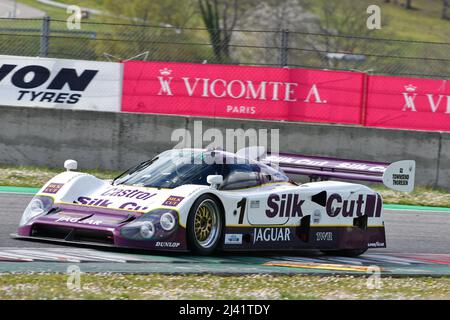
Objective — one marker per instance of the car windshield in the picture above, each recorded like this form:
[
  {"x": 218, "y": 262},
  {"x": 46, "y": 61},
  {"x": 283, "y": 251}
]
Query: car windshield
[{"x": 174, "y": 168}]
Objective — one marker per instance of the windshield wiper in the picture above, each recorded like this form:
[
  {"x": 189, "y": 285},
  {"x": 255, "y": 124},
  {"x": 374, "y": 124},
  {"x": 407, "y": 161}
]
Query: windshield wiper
[{"x": 134, "y": 169}]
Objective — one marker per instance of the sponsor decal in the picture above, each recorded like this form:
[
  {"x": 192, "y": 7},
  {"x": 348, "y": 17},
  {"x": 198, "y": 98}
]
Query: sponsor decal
[
  {"x": 401, "y": 178},
  {"x": 53, "y": 188},
  {"x": 271, "y": 235},
  {"x": 132, "y": 206},
  {"x": 233, "y": 239},
  {"x": 324, "y": 236},
  {"x": 128, "y": 193},
  {"x": 285, "y": 205},
  {"x": 163, "y": 244},
  {"x": 254, "y": 204},
  {"x": 317, "y": 216},
  {"x": 173, "y": 201},
  {"x": 376, "y": 244},
  {"x": 105, "y": 203},
  {"x": 364, "y": 204},
  {"x": 70, "y": 219},
  {"x": 326, "y": 163},
  {"x": 97, "y": 202}
]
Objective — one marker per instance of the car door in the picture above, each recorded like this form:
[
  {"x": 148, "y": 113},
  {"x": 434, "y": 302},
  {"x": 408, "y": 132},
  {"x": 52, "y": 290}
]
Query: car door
[{"x": 267, "y": 206}]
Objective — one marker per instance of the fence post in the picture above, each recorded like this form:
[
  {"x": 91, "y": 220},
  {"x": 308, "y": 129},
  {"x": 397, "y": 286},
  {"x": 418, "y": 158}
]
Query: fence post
[
  {"x": 45, "y": 37},
  {"x": 284, "y": 48}
]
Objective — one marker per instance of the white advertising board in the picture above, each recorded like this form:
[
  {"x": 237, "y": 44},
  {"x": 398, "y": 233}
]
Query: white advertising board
[{"x": 60, "y": 83}]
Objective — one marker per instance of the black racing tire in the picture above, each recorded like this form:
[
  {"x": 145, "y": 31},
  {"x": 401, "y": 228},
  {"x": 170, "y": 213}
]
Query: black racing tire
[
  {"x": 345, "y": 252},
  {"x": 205, "y": 225}
]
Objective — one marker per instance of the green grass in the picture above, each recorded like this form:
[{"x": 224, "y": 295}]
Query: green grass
[
  {"x": 29, "y": 176},
  {"x": 421, "y": 196},
  {"x": 169, "y": 287},
  {"x": 424, "y": 23}
]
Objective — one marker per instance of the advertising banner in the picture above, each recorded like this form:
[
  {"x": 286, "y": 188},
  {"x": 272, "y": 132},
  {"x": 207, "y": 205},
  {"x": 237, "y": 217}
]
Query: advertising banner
[
  {"x": 60, "y": 83},
  {"x": 227, "y": 91},
  {"x": 242, "y": 92},
  {"x": 408, "y": 103}
]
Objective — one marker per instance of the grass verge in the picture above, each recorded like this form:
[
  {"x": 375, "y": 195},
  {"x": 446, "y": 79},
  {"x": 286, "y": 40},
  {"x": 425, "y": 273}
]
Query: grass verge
[
  {"x": 36, "y": 177},
  {"x": 421, "y": 196},
  {"x": 156, "y": 286}
]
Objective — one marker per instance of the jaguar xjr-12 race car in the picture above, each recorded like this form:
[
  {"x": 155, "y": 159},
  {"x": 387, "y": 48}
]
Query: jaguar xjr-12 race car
[{"x": 206, "y": 200}]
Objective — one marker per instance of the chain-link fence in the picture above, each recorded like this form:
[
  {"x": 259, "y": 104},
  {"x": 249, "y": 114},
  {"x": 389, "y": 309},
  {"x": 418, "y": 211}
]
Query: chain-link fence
[{"x": 106, "y": 41}]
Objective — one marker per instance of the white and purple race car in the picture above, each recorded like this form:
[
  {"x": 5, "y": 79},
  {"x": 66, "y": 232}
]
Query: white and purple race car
[{"x": 206, "y": 200}]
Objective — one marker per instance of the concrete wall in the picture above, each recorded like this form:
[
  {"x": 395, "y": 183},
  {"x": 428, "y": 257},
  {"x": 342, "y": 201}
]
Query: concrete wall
[{"x": 37, "y": 136}]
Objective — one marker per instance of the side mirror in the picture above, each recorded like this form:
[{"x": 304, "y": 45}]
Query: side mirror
[
  {"x": 214, "y": 180},
  {"x": 70, "y": 165}
]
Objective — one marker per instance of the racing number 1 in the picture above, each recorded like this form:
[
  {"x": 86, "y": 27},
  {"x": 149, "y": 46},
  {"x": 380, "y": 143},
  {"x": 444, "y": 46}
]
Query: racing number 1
[{"x": 241, "y": 204}]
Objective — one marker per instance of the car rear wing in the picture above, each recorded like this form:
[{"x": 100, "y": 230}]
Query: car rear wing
[{"x": 397, "y": 175}]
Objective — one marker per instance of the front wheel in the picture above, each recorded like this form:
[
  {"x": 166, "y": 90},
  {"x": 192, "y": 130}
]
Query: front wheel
[
  {"x": 204, "y": 225},
  {"x": 345, "y": 252}
]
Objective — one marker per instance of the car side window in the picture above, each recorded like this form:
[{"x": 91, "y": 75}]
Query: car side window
[
  {"x": 201, "y": 177},
  {"x": 239, "y": 176},
  {"x": 272, "y": 175}
]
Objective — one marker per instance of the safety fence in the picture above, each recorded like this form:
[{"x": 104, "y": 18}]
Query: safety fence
[
  {"x": 217, "y": 90},
  {"x": 101, "y": 41}
]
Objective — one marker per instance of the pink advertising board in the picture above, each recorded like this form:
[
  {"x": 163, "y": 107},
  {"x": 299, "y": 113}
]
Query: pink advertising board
[
  {"x": 408, "y": 103},
  {"x": 242, "y": 92},
  {"x": 286, "y": 94}
]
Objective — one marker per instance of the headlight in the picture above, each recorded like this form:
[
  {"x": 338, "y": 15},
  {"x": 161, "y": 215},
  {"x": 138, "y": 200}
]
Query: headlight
[
  {"x": 147, "y": 230},
  {"x": 154, "y": 225},
  {"x": 167, "y": 221},
  {"x": 139, "y": 230},
  {"x": 38, "y": 206}
]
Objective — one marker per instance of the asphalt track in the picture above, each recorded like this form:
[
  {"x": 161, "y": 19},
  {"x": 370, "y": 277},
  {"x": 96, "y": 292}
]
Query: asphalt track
[
  {"x": 406, "y": 231},
  {"x": 414, "y": 239}
]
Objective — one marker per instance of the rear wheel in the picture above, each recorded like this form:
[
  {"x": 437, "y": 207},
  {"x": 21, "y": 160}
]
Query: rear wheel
[
  {"x": 205, "y": 225},
  {"x": 345, "y": 252}
]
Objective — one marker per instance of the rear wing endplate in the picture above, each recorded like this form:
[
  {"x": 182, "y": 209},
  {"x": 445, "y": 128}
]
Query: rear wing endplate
[{"x": 398, "y": 175}]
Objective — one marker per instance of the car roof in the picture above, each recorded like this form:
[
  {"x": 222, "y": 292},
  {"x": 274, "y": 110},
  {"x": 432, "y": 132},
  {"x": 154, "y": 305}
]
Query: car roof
[{"x": 231, "y": 158}]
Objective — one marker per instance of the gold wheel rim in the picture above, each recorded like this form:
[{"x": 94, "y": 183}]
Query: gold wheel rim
[
  {"x": 207, "y": 223},
  {"x": 203, "y": 223}
]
